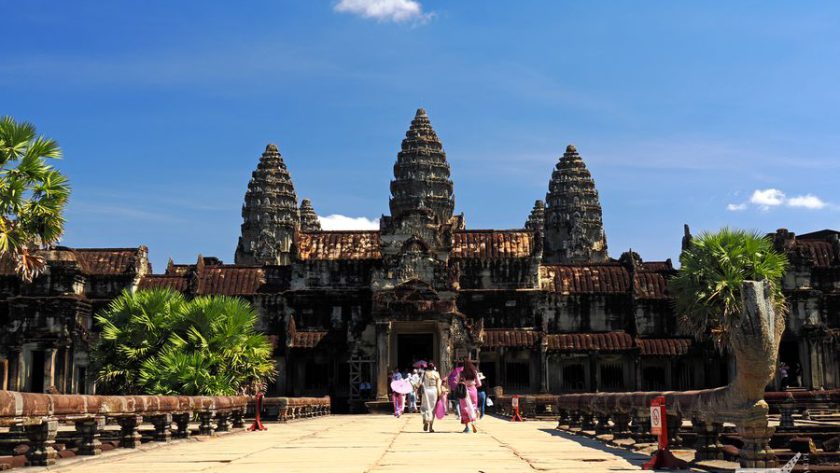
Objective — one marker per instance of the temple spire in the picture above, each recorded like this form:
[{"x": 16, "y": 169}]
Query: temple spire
[
  {"x": 270, "y": 213},
  {"x": 574, "y": 229},
  {"x": 308, "y": 218},
  {"x": 536, "y": 220},
  {"x": 421, "y": 175}
]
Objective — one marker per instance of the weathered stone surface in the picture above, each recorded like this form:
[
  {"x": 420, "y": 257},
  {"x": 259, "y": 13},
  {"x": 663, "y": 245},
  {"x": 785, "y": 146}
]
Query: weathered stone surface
[
  {"x": 308, "y": 218},
  {"x": 270, "y": 214},
  {"x": 574, "y": 230}
]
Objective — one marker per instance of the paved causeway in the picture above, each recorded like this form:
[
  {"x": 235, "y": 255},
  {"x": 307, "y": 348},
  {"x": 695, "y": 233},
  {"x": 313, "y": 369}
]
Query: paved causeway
[{"x": 373, "y": 443}]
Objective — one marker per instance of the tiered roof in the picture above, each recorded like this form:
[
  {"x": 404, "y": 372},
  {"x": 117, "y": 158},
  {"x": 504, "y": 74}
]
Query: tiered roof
[
  {"x": 574, "y": 230},
  {"x": 421, "y": 174},
  {"x": 270, "y": 214}
]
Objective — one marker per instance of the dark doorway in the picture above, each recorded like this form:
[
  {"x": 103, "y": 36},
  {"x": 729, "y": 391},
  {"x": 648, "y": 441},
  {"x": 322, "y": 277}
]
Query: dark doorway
[
  {"x": 37, "y": 383},
  {"x": 412, "y": 347}
]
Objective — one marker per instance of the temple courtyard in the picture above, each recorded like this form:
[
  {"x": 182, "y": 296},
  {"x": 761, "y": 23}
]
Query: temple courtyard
[{"x": 370, "y": 443}]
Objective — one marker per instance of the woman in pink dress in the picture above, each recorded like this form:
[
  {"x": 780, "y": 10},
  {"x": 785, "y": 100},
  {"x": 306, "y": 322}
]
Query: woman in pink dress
[{"x": 469, "y": 404}]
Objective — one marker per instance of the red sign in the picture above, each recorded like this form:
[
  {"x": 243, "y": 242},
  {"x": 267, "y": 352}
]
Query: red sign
[
  {"x": 656, "y": 414},
  {"x": 662, "y": 458}
]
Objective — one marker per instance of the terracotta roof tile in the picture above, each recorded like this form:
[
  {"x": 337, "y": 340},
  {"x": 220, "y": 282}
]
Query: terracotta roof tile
[
  {"x": 663, "y": 346},
  {"x": 649, "y": 285},
  {"x": 231, "y": 280},
  {"x": 154, "y": 281},
  {"x": 492, "y": 244},
  {"x": 109, "y": 261},
  {"x": 343, "y": 245},
  {"x": 611, "y": 341},
  {"x": 511, "y": 338},
  {"x": 578, "y": 279}
]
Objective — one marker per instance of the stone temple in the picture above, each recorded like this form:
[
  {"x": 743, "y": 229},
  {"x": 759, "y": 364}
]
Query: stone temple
[{"x": 543, "y": 308}]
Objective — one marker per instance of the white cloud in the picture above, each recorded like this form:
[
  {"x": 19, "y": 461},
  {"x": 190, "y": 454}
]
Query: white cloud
[
  {"x": 342, "y": 222},
  {"x": 765, "y": 199},
  {"x": 768, "y": 197},
  {"x": 384, "y": 10},
  {"x": 808, "y": 201}
]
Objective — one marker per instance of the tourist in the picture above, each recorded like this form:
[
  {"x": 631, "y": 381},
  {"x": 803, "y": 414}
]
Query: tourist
[
  {"x": 397, "y": 398},
  {"x": 365, "y": 389},
  {"x": 414, "y": 379},
  {"x": 452, "y": 382},
  {"x": 431, "y": 391},
  {"x": 482, "y": 395},
  {"x": 783, "y": 375},
  {"x": 469, "y": 403}
]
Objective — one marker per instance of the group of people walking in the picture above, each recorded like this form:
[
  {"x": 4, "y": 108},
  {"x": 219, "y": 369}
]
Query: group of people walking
[{"x": 462, "y": 393}]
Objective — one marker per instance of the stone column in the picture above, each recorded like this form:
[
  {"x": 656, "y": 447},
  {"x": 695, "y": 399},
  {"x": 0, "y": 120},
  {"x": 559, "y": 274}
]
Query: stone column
[
  {"x": 163, "y": 427},
  {"x": 603, "y": 425},
  {"x": 129, "y": 433},
  {"x": 621, "y": 430},
  {"x": 786, "y": 418},
  {"x": 182, "y": 425},
  {"x": 88, "y": 430},
  {"x": 41, "y": 440},
  {"x": 206, "y": 426},
  {"x": 641, "y": 427},
  {"x": 544, "y": 366},
  {"x": 223, "y": 421},
  {"x": 49, "y": 368},
  {"x": 237, "y": 418},
  {"x": 383, "y": 335},
  {"x": 674, "y": 424},
  {"x": 708, "y": 446},
  {"x": 756, "y": 452},
  {"x": 444, "y": 350},
  {"x": 20, "y": 372}
]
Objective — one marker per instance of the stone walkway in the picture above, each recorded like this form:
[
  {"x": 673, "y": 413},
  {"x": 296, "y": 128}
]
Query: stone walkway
[{"x": 372, "y": 443}]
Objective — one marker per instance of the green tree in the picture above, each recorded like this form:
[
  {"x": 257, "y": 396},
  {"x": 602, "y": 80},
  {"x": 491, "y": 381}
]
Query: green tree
[
  {"x": 205, "y": 346},
  {"x": 713, "y": 268},
  {"x": 32, "y": 195},
  {"x": 135, "y": 328}
]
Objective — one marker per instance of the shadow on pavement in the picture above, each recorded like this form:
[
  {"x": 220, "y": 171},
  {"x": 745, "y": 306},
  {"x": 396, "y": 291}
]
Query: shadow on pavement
[{"x": 633, "y": 458}]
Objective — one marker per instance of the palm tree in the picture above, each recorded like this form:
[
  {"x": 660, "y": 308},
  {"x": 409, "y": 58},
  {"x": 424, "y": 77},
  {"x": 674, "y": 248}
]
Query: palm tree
[
  {"x": 135, "y": 328},
  {"x": 713, "y": 268},
  {"x": 32, "y": 195},
  {"x": 217, "y": 351},
  {"x": 156, "y": 342}
]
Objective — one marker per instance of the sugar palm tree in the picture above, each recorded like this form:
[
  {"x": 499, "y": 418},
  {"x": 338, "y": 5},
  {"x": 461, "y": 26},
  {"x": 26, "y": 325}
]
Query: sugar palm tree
[
  {"x": 32, "y": 195},
  {"x": 134, "y": 328},
  {"x": 713, "y": 268}
]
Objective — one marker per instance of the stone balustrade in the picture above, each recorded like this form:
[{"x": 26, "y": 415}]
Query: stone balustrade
[
  {"x": 627, "y": 415},
  {"x": 290, "y": 408},
  {"x": 36, "y": 417}
]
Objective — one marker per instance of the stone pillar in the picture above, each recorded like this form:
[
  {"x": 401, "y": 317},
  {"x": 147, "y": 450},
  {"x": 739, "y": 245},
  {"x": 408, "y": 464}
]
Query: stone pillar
[
  {"x": 49, "y": 368},
  {"x": 41, "y": 440},
  {"x": 237, "y": 418},
  {"x": 594, "y": 379},
  {"x": 163, "y": 427},
  {"x": 603, "y": 425},
  {"x": 182, "y": 425},
  {"x": 20, "y": 378},
  {"x": 383, "y": 335},
  {"x": 574, "y": 420},
  {"x": 223, "y": 421},
  {"x": 129, "y": 433},
  {"x": 786, "y": 418},
  {"x": 674, "y": 424},
  {"x": 707, "y": 446},
  {"x": 544, "y": 366},
  {"x": 444, "y": 349},
  {"x": 88, "y": 430},
  {"x": 206, "y": 426},
  {"x": 588, "y": 421},
  {"x": 756, "y": 452},
  {"x": 640, "y": 430},
  {"x": 621, "y": 429}
]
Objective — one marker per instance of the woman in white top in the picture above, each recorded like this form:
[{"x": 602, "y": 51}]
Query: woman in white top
[{"x": 430, "y": 386}]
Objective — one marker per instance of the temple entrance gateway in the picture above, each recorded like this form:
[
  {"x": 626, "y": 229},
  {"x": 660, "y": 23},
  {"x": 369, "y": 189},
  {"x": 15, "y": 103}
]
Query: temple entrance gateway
[{"x": 413, "y": 347}]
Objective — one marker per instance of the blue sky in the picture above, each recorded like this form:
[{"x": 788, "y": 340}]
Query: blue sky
[{"x": 711, "y": 114}]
